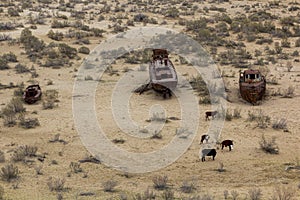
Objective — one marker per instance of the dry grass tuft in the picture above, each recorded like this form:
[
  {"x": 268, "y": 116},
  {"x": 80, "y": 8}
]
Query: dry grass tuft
[
  {"x": 269, "y": 146},
  {"x": 9, "y": 172},
  {"x": 56, "y": 184},
  {"x": 160, "y": 182}
]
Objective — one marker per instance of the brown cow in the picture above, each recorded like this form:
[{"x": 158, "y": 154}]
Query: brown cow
[
  {"x": 227, "y": 143},
  {"x": 211, "y": 114}
]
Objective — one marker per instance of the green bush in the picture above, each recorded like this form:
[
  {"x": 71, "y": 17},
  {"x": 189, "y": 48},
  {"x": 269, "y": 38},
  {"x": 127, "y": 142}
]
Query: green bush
[
  {"x": 172, "y": 12},
  {"x": 67, "y": 51},
  {"x": 31, "y": 43},
  {"x": 21, "y": 69},
  {"x": 3, "y": 64},
  {"x": 10, "y": 57},
  {"x": 58, "y": 36},
  {"x": 13, "y": 12},
  {"x": 84, "y": 50}
]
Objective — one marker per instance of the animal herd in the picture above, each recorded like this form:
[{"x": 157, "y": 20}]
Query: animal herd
[{"x": 206, "y": 138}]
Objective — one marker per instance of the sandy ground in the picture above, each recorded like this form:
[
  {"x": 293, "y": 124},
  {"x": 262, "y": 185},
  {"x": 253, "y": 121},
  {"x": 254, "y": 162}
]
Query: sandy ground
[{"x": 245, "y": 167}]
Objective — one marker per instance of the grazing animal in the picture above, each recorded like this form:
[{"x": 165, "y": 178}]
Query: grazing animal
[
  {"x": 208, "y": 152},
  {"x": 227, "y": 143},
  {"x": 204, "y": 137},
  {"x": 211, "y": 114}
]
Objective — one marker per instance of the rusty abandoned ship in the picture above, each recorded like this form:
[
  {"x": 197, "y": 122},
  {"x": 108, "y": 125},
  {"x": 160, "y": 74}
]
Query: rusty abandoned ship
[
  {"x": 163, "y": 77},
  {"x": 252, "y": 85},
  {"x": 32, "y": 94}
]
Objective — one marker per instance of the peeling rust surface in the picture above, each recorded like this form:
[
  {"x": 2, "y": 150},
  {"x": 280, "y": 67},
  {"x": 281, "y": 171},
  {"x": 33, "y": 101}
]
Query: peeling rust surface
[
  {"x": 252, "y": 85},
  {"x": 32, "y": 94}
]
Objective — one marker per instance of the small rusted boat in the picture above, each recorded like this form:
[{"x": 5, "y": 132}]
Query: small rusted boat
[
  {"x": 252, "y": 85},
  {"x": 32, "y": 94},
  {"x": 163, "y": 77}
]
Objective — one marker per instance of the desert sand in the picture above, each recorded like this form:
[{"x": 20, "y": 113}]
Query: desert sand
[{"x": 245, "y": 168}]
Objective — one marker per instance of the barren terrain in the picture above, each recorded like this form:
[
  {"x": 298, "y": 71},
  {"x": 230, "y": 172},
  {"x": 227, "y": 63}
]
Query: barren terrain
[{"x": 238, "y": 35}]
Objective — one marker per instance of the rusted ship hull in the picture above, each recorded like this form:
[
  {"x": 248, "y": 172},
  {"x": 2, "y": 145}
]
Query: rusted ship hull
[
  {"x": 162, "y": 73},
  {"x": 32, "y": 94},
  {"x": 252, "y": 93},
  {"x": 252, "y": 86}
]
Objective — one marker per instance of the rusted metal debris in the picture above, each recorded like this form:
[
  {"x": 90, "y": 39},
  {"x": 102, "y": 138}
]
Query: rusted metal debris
[
  {"x": 252, "y": 85},
  {"x": 32, "y": 94},
  {"x": 163, "y": 77}
]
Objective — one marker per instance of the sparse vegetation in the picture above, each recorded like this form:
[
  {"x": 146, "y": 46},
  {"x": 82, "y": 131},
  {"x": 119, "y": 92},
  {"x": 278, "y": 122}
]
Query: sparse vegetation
[
  {"x": 283, "y": 193},
  {"x": 160, "y": 182},
  {"x": 9, "y": 172},
  {"x": 56, "y": 184},
  {"x": 255, "y": 193},
  {"x": 109, "y": 186},
  {"x": 50, "y": 98},
  {"x": 1, "y": 193},
  {"x": 2, "y": 157},
  {"x": 280, "y": 124},
  {"x": 289, "y": 92},
  {"x": 29, "y": 122},
  {"x": 188, "y": 186},
  {"x": 158, "y": 117},
  {"x": 12, "y": 111},
  {"x": 234, "y": 194},
  {"x": 46, "y": 42},
  {"x": 237, "y": 113},
  {"x": 269, "y": 145},
  {"x": 75, "y": 167},
  {"x": 22, "y": 152},
  {"x": 262, "y": 119},
  {"x": 156, "y": 135}
]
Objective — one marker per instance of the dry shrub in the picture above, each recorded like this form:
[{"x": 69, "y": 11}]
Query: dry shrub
[
  {"x": 2, "y": 157},
  {"x": 280, "y": 124},
  {"x": 38, "y": 169},
  {"x": 50, "y": 98},
  {"x": 160, "y": 182},
  {"x": 21, "y": 69},
  {"x": 228, "y": 115},
  {"x": 21, "y": 152},
  {"x": 255, "y": 193},
  {"x": 203, "y": 197},
  {"x": 109, "y": 186},
  {"x": 147, "y": 195},
  {"x": 262, "y": 119},
  {"x": 234, "y": 194},
  {"x": 29, "y": 123},
  {"x": 56, "y": 184},
  {"x": 168, "y": 195},
  {"x": 158, "y": 117},
  {"x": 11, "y": 111},
  {"x": 225, "y": 193},
  {"x": 205, "y": 100},
  {"x": 156, "y": 135},
  {"x": 75, "y": 167},
  {"x": 269, "y": 146},
  {"x": 221, "y": 167},
  {"x": 188, "y": 186},
  {"x": 9, "y": 172},
  {"x": 283, "y": 193},
  {"x": 1, "y": 193},
  {"x": 289, "y": 92},
  {"x": 237, "y": 113}
]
